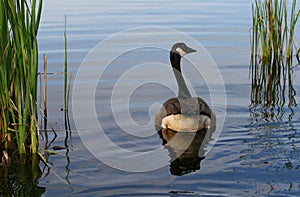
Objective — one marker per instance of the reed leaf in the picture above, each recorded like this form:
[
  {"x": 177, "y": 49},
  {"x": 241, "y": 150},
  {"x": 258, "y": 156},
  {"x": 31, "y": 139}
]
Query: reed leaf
[{"x": 19, "y": 22}]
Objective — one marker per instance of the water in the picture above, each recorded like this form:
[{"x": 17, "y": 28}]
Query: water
[{"x": 256, "y": 154}]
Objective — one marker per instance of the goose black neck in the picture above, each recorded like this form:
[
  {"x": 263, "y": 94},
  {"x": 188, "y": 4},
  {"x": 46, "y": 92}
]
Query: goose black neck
[{"x": 183, "y": 91}]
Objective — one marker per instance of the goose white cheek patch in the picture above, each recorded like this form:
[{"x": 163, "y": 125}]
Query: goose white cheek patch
[{"x": 180, "y": 51}]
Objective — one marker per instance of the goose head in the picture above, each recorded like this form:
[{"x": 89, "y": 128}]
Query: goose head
[{"x": 181, "y": 49}]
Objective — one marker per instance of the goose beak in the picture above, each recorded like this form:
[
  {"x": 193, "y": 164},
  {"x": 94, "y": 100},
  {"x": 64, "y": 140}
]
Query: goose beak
[{"x": 189, "y": 50}]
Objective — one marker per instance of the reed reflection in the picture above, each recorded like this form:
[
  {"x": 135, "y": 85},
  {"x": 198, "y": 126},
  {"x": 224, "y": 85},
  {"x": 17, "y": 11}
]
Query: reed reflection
[
  {"x": 275, "y": 88},
  {"x": 272, "y": 121},
  {"x": 21, "y": 177},
  {"x": 274, "y": 95}
]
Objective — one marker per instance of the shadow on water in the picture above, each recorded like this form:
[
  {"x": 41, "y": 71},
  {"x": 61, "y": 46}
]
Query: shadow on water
[
  {"x": 186, "y": 149},
  {"x": 21, "y": 177}
]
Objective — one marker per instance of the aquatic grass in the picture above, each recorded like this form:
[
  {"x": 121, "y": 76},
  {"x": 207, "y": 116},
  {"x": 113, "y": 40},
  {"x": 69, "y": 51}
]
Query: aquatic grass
[
  {"x": 272, "y": 51},
  {"x": 67, "y": 87},
  {"x": 65, "y": 68},
  {"x": 67, "y": 83},
  {"x": 19, "y": 23},
  {"x": 43, "y": 151},
  {"x": 45, "y": 93}
]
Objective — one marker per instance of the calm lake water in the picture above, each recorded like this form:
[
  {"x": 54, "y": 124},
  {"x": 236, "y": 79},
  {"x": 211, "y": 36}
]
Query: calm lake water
[{"x": 255, "y": 153}]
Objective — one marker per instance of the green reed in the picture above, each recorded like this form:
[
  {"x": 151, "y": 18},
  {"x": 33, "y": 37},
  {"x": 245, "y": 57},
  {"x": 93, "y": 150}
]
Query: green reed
[
  {"x": 65, "y": 69},
  {"x": 19, "y": 23},
  {"x": 272, "y": 50},
  {"x": 67, "y": 83}
]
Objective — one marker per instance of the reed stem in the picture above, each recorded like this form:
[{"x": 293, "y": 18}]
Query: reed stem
[
  {"x": 45, "y": 93},
  {"x": 272, "y": 46},
  {"x": 19, "y": 22}
]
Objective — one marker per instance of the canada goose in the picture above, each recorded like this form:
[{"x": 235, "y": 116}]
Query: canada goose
[{"x": 183, "y": 113}]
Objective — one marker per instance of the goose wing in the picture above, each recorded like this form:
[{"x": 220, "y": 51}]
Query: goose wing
[{"x": 194, "y": 105}]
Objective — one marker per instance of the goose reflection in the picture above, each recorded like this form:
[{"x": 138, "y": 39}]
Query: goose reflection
[{"x": 186, "y": 149}]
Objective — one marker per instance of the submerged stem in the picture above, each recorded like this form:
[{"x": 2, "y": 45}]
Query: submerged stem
[{"x": 272, "y": 34}]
